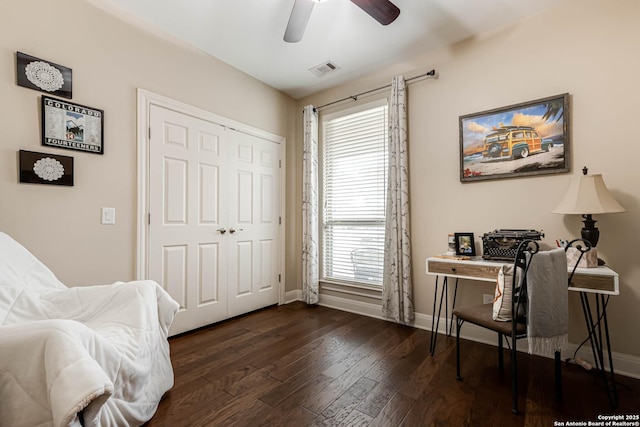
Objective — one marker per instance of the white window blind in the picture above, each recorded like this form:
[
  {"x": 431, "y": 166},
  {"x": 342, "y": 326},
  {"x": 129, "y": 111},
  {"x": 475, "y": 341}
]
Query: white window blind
[{"x": 354, "y": 195}]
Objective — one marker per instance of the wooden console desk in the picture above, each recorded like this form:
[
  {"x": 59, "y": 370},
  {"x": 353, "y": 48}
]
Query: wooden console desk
[
  {"x": 599, "y": 283},
  {"x": 601, "y": 280}
]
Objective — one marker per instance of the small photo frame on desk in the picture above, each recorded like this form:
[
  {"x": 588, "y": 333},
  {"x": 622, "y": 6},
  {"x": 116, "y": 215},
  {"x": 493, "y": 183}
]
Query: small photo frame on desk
[{"x": 465, "y": 244}]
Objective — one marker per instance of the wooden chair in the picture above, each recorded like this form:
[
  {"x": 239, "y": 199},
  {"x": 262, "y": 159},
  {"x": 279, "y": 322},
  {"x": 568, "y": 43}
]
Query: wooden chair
[{"x": 482, "y": 315}]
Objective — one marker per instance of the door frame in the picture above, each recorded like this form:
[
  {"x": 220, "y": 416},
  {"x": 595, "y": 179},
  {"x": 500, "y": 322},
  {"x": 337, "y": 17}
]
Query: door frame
[{"x": 145, "y": 99}]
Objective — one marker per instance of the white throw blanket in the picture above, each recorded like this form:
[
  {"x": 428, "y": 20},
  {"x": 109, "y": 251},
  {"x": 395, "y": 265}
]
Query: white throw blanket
[
  {"x": 101, "y": 350},
  {"x": 547, "y": 310}
]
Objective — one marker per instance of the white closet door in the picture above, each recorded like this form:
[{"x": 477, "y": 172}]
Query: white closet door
[
  {"x": 254, "y": 206},
  {"x": 214, "y": 204},
  {"x": 187, "y": 252}
]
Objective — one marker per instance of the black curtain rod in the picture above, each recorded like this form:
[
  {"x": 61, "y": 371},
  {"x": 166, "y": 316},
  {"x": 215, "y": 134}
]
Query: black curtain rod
[{"x": 431, "y": 73}]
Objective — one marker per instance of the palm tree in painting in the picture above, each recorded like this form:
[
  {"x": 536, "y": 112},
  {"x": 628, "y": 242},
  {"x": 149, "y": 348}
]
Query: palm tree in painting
[{"x": 555, "y": 110}]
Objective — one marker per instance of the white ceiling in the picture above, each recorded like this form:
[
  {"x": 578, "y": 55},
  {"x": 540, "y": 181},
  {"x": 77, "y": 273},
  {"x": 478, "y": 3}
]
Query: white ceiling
[{"x": 247, "y": 34}]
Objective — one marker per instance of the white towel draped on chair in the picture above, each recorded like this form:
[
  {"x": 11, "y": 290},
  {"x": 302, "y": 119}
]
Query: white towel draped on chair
[{"x": 547, "y": 290}]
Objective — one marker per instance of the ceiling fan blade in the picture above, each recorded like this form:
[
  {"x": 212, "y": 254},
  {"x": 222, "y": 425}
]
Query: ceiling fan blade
[
  {"x": 382, "y": 11},
  {"x": 298, "y": 20}
]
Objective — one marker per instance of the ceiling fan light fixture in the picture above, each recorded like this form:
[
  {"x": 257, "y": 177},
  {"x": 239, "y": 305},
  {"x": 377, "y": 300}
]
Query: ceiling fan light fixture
[
  {"x": 383, "y": 11},
  {"x": 298, "y": 20}
]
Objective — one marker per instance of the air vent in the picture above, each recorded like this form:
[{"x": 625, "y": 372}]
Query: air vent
[{"x": 324, "y": 69}]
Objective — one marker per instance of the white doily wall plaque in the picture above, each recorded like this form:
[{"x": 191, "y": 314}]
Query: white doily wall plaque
[
  {"x": 48, "y": 169},
  {"x": 44, "y": 168},
  {"x": 44, "y": 76}
]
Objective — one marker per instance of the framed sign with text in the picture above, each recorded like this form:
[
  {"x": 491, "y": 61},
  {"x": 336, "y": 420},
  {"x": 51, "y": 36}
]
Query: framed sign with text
[{"x": 72, "y": 126}]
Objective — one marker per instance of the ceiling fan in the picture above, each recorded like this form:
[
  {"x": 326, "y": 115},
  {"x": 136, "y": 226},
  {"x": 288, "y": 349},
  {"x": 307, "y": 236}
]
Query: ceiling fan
[{"x": 382, "y": 11}]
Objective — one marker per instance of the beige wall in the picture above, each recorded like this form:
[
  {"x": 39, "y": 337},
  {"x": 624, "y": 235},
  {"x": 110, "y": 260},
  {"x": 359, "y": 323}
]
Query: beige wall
[
  {"x": 110, "y": 58},
  {"x": 587, "y": 48}
]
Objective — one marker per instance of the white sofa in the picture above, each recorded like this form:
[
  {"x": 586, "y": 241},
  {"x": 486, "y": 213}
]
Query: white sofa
[{"x": 92, "y": 356}]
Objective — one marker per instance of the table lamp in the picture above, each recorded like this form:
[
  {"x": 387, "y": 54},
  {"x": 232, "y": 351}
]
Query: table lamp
[{"x": 587, "y": 195}]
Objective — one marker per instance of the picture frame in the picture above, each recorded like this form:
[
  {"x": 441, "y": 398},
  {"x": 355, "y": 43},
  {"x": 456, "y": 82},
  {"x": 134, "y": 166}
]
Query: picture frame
[
  {"x": 525, "y": 139},
  {"x": 465, "y": 244},
  {"x": 45, "y": 168},
  {"x": 72, "y": 126},
  {"x": 44, "y": 76}
]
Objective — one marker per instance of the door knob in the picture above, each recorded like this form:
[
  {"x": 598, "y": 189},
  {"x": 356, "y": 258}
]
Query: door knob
[
  {"x": 222, "y": 230},
  {"x": 233, "y": 230}
]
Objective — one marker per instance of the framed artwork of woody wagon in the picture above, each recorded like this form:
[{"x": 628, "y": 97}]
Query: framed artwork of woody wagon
[{"x": 530, "y": 138}]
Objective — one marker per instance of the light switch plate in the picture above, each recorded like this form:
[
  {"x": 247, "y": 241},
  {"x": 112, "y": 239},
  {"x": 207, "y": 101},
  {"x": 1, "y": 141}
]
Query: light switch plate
[{"x": 108, "y": 216}]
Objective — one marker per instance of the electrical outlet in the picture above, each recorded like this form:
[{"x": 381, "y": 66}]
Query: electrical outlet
[{"x": 487, "y": 298}]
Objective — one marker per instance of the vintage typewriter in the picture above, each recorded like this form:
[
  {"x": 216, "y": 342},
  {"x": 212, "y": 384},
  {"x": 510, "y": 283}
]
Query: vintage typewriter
[{"x": 503, "y": 244}]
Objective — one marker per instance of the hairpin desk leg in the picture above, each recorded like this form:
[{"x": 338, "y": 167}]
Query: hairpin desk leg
[
  {"x": 432, "y": 341},
  {"x": 453, "y": 306},
  {"x": 435, "y": 320},
  {"x": 595, "y": 330}
]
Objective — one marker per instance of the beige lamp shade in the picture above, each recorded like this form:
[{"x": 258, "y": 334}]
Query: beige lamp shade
[{"x": 587, "y": 194}]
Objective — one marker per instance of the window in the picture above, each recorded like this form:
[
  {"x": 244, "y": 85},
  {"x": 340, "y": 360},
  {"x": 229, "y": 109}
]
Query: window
[{"x": 355, "y": 158}]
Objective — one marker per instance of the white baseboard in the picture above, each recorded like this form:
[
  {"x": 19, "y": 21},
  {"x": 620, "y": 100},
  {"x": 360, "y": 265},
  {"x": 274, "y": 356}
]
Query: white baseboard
[
  {"x": 624, "y": 364},
  {"x": 292, "y": 296}
]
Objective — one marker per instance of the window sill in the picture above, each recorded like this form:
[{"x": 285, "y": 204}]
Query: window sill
[{"x": 367, "y": 291}]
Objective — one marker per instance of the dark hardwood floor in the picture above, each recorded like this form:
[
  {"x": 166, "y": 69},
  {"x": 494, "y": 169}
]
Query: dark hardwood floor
[{"x": 295, "y": 365}]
